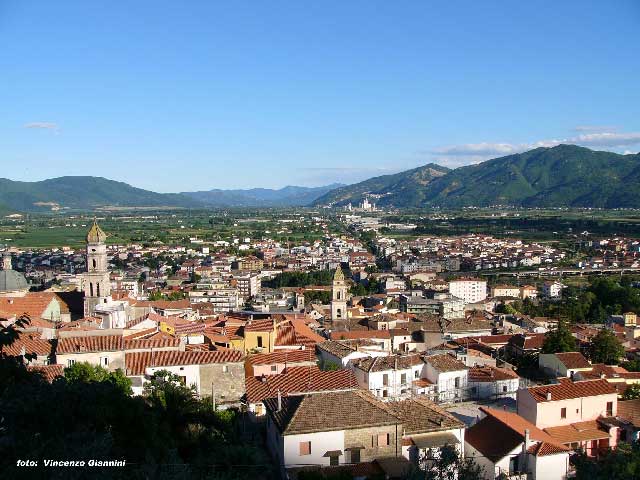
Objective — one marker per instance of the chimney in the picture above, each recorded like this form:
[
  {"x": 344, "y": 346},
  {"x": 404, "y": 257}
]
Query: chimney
[
  {"x": 548, "y": 396},
  {"x": 279, "y": 400}
]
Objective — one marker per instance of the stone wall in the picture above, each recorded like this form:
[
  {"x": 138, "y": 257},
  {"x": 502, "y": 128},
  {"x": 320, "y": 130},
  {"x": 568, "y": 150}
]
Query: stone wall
[
  {"x": 228, "y": 385},
  {"x": 371, "y": 451}
]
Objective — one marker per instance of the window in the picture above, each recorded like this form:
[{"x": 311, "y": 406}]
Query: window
[
  {"x": 94, "y": 263},
  {"x": 416, "y": 374},
  {"x": 70, "y": 362},
  {"x": 504, "y": 389},
  {"x": 383, "y": 439},
  {"x": 514, "y": 464},
  {"x": 403, "y": 378},
  {"x": 305, "y": 448},
  {"x": 563, "y": 413},
  {"x": 609, "y": 409},
  {"x": 225, "y": 368},
  {"x": 274, "y": 368},
  {"x": 90, "y": 289},
  {"x": 385, "y": 379},
  {"x": 259, "y": 341},
  {"x": 457, "y": 382},
  {"x": 104, "y": 361},
  {"x": 334, "y": 460},
  {"x": 98, "y": 289}
]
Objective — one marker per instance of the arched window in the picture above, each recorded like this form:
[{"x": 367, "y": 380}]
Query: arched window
[
  {"x": 98, "y": 288},
  {"x": 94, "y": 263},
  {"x": 339, "y": 313},
  {"x": 91, "y": 289},
  {"x": 338, "y": 295}
]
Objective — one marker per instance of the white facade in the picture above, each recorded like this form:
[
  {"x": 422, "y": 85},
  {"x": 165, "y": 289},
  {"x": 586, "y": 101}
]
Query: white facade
[{"x": 470, "y": 290}]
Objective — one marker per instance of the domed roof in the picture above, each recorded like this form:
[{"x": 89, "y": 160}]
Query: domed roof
[
  {"x": 339, "y": 275},
  {"x": 10, "y": 281},
  {"x": 96, "y": 234}
]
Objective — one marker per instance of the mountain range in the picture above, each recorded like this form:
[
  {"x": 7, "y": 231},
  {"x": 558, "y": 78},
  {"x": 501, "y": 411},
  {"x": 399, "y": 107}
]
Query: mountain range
[
  {"x": 561, "y": 176},
  {"x": 290, "y": 196}
]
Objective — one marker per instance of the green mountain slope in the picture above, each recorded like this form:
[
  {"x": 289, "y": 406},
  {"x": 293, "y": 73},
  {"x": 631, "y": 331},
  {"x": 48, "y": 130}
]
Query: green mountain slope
[
  {"x": 565, "y": 175},
  {"x": 83, "y": 193},
  {"x": 402, "y": 189}
]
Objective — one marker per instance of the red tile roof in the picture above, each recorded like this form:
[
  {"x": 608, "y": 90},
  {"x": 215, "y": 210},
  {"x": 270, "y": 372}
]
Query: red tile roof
[
  {"x": 573, "y": 360},
  {"x": 567, "y": 389},
  {"x": 490, "y": 374},
  {"x": 360, "y": 334},
  {"x": 28, "y": 343},
  {"x": 283, "y": 356},
  {"x": 299, "y": 380},
  {"x": 137, "y": 362},
  {"x": 48, "y": 372}
]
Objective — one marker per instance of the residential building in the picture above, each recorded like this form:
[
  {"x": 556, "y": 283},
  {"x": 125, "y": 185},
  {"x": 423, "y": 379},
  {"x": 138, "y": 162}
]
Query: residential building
[
  {"x": 471, "y": 290},
  {"x": 505, "y": 445},
  {"x": 449, "y": 375}
]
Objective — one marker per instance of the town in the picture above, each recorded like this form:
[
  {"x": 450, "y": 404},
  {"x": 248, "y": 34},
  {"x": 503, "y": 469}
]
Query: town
[{"x": 355, "y": 353}]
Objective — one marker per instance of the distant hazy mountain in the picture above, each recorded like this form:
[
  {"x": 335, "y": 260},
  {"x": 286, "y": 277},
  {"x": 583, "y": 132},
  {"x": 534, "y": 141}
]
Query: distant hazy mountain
[
  {"x": 401, "y": 189},
  {"x": 565, "y": 175},
  {"x": 83, "y": 193},
  {"x": 290, "y": 196}
]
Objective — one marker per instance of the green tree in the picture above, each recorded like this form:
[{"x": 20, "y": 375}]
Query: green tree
[
  {"x": 623, "y": 463},
  {"x": 85, "y": 372},
  {"x": 631, "y": 365},
  {"x": 606, "y": 348},
  {"x": 559, "y": 340},
  {"x": 448, "y": 464},
  {"x": 632, "y": 392}
]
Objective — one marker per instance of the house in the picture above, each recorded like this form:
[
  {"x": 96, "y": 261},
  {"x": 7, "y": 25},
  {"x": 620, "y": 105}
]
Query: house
[
  {"x": 528, "y": 291},
  {"x": 505, "y": 444},
  {"x": 292, "y": 381},
  {"x": 523, "y": 344},
  {"x": 342, "y": 352},
  {"x": 487, "y": 382},
  {"x": 212, "y": 373},
  {"x": 353, "y": 427},
  {"x": 449, "y": 375},
  {"x": 552, "y": 290},
  {"x": 388, "y": 377},
  {"x": 565, "y": 364},
  {"x": 30, "y": 344},
  {"x": 471, "y": 290},
  {"x": 380, "y": 337},
  {"x": 505, "y": 291},
  {"x": 577, "y": 413},
  {"x": 276, "y": 362}
]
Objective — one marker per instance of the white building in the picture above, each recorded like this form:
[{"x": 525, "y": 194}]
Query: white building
[
  {"x": 389, "y": 377},
  {"x": 449, "y": 375},
  {"x": 471, "y": 290}
]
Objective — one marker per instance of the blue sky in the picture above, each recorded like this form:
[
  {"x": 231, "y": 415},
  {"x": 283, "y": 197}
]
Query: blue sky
[{"x": 175, "y": 96}]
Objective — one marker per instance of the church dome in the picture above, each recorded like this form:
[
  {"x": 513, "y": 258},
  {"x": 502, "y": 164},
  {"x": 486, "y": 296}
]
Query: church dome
[
  {"x": 96, "y": 234},
  {"x": 339, "y": 275},
  {"x": 12, "y": 281}
]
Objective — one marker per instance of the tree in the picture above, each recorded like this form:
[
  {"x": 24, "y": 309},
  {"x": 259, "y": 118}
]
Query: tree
[
  {"x": 631, "y": 365},
  {"x": 620, "y": 464},
  {"x": 448, "y": 464},
  {"x": 606, "y": 348},
  {"x": 632, "y": 392},
  {"x": 85, "y": 372},
  {"x": 559, "y": 340}
]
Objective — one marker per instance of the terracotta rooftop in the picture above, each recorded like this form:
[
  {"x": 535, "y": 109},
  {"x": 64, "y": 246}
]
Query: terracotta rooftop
[
  {"x": 444, "y": 362},
  {"x": 283, "y": 356},
  {"x": 382, "y": 334},
  {"x": 28, "y": 343},
  {"x": 578, "y": 432},
  {"x": 488, "y": 373},
  {"x": 298, "y": 380},
  {"x": 391, "y": 362},
  {"x": 567, "y": 389},
  {"x": 138, "y": 362},
  {"x": 500, "y": 432},
  {"x": 329, "y": 411},
  {"x": 48, "y": 372},
  {"x": 419, "y": 415},
  {"x": 573, "y": 360}
]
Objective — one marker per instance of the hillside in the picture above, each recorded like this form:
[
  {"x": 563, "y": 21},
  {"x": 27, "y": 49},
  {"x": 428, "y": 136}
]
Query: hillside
[
  {"x": 290, "y": 196},
  {"x": 404, "y": 189},
  {"x": 565, "y": 175},
  {"x": 82, "y": 193}
]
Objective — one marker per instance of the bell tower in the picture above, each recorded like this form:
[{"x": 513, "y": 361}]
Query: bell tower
[
  {"x": 339, "y": 296},
  {"x": 96, "y": 282}
]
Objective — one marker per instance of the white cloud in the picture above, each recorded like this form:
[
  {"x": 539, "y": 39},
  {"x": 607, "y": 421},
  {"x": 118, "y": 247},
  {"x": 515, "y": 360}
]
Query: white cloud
[
  {"x": 595, "y": 128},
  {"x": 456, "y": 155},
  {"x": 42, "y": 125}
]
